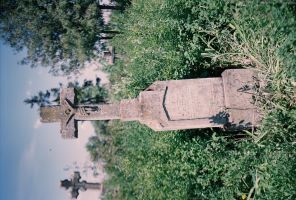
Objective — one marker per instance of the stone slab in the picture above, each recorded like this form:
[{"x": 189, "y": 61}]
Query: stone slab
[
  {"x": 243, "y": 119},
  {"x": 194, "y": 98},
  {"x": 239, "y": 88},
  {"x": 151, "y": 105},
  {"x": 130, "y": 110}
]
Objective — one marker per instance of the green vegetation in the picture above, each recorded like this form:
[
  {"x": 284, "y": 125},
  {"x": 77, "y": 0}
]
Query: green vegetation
[
  {"x": 174, "y": 39},
  {"x": 60, "y": 34},
  {"x": 87, "y": 93}
]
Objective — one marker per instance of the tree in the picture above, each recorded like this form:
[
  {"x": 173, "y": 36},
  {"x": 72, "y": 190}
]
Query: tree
[
  {"x": 97, "y": 148},
  {"x": 44, "y": 98},
  {"x": 61, "y": 34},
  {"x": 87, "y": 93}
]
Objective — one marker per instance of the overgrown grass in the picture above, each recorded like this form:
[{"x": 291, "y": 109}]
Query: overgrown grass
[{"x": 175, "y": 39}]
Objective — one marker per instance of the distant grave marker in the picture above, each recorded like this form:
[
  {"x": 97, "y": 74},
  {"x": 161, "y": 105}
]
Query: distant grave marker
[
  {"x": 75, "y": 184},
  {"x": 109, "y": 55},
  {"x": 225, "y": 102}
]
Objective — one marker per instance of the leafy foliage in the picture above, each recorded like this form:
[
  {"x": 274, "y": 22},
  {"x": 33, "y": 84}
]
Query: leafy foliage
[
  {"x": 87, "y": 93},
  {"x": 123, "y": 3},
  {"x": 194, "y": 165},
  {"x": 61, "y": 34},
  {"x": 184, "y": 39}
]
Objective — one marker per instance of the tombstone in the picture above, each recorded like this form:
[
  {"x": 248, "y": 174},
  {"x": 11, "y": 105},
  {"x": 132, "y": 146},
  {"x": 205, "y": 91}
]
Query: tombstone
[
  {"x": 226, "y": 102},
  {"x": 109, "y": 55},
  {"x": 77, "y": 185}
]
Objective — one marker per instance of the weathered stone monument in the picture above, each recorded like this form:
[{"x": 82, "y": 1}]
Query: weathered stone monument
[
  {"x": 109, "y": 55},
  {"x": 226, "y": 102},
  {"x": 77, "y": 185}
]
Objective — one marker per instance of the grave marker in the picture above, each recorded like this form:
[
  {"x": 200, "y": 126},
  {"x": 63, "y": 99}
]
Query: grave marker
[
  {"x": 225, "y": 102},
  {"x": 75, "y": 184}
]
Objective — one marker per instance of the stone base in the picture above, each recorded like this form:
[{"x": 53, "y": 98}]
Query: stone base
[{"x": 226, "y": 102}]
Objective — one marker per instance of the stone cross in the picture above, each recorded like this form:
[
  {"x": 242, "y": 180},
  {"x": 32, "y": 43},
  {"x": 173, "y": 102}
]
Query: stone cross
[
  {"x": 68, "y": 113},
  {"x": 226, "y": 102},
  {"x": 77, "y": 185}
]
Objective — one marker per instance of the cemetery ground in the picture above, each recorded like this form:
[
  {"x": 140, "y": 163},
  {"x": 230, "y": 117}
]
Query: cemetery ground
[{"x": 178, "y": 39}]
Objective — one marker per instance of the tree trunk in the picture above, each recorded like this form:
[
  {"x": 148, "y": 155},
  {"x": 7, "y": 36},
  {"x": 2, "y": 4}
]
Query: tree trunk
[{"x": 108, "y": 7}]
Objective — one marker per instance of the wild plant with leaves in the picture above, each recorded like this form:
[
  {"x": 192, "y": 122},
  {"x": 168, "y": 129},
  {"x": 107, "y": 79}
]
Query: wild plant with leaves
[
  {"x": 86, "y": 93},
  {"x": 166, "y": 39}
]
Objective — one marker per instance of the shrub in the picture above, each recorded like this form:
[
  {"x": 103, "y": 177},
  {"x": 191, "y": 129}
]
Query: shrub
[{"x": 187, "y": 39}]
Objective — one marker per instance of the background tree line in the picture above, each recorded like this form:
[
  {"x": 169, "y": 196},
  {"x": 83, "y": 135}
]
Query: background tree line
[{"x": 59, "y": 34}]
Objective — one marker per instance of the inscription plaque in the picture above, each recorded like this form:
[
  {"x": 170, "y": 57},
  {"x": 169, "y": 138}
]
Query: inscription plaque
[{"x": 194, "y": 99}]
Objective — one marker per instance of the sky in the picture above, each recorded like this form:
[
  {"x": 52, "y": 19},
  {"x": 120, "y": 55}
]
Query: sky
[{"x": 33, "y": 156}]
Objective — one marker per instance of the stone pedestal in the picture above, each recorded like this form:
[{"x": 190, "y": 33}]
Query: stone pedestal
[{"x": 225, "y": 101}]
